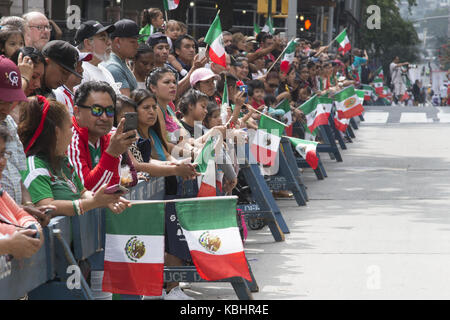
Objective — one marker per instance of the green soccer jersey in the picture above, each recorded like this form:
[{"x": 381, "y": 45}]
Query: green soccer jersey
[
  {"x": 43, "y": 183},
  {"x": 96, "y": 152}
]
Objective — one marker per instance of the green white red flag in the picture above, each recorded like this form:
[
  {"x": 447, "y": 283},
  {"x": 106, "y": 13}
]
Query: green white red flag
[
  {"x": 340, "y": 123},
  {"x": 379, "y": 73},
  {"x": 378, "y": 85},
  {"x": 369, "y": 91},
  {"x": 170, "y": 4},
  {"x": 215, "y": 41},
  {"x": 347, "y": 103},
  {"x": 286, "y": 107},
  {"x": 208, "y": 184},
  {"x": 225, "y": 103},
  {"x": 268, "y": 27},
  {"x": 317, "y": 111},
  {"x": 288, "y": 56},
  {"x": 134, "y": 250},
  {"x": 213, "y": 238},
  {"x": 206, "y": 154},
  {"x": 266, "y": 142},
  {"x": 344, "y": 42},
  {"x": 307, "y": 149}
]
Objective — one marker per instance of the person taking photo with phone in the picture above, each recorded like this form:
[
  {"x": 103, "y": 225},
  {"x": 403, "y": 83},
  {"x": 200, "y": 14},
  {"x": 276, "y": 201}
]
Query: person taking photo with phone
[{"x": 95, "y": 150}]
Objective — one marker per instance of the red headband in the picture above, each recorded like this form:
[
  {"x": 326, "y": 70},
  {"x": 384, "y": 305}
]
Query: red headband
[{"x": 38, "y": 131}]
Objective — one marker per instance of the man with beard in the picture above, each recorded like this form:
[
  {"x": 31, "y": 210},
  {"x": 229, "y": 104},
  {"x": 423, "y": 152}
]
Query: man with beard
[
  {"x": 61, "y": 60},
  {"x": 94, "y": 38},
  {"x": 37, "y": 30},
  {"x": 124, "y": 46}
]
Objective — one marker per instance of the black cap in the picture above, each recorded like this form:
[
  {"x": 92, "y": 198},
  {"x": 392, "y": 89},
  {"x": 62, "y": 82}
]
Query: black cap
[
  {"x": 156, "y": 38},
  {"x": 64, "y": 54},
  {"x": 125, "y": 28},
  {"x": 89, "y": 29}
]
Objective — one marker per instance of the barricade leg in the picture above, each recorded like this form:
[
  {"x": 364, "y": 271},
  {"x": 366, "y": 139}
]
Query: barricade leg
[
  {"x": 330, "y": 144},
  {"x": 353, "y": 123},
  {"x": 350, "y": 134},
  {"x": 286, "y": 147}
]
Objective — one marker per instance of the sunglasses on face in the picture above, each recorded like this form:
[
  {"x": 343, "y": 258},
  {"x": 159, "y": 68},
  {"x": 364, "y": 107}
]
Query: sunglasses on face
[{"x": 97, "y": 110}]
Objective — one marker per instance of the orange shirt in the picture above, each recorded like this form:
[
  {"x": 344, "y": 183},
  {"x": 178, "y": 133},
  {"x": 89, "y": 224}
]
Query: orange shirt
[{"x": 11, "y": 212}]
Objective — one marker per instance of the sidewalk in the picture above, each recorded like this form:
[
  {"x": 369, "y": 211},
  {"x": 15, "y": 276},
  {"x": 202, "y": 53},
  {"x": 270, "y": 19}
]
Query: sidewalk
[{"x": 376, "y": 228}]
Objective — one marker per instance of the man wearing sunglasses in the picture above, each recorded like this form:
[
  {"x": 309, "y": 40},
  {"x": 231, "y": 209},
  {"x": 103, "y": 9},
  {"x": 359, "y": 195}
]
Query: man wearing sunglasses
[{"x": 95, "y": 151}]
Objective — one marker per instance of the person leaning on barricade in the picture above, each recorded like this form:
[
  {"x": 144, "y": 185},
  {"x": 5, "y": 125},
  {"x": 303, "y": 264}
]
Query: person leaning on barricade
[{"x": 45, "y": 131}]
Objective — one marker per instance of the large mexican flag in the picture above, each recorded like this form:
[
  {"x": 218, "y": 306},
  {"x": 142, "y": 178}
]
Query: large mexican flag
[
  {"x": 347, "y": 103},
  {"x": 307, "y": 149},
  {"x": 344, "y": 42},
  {"x": 266, "y": 142},
  {"x": 134, "y": 250},
  {"x": 212, "y": 234},
  {"x": 215, "y": 41}
]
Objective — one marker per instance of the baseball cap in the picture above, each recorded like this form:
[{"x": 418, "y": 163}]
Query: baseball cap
[
  {"x": 156, "y": 38},
  {"x": 10, "y": 81},
  {"x": 125, "y": 28},
  {"x": 202, "y": 74},
  {"x": 64, "y": 54},
  {"x": 89, "y": 29}
]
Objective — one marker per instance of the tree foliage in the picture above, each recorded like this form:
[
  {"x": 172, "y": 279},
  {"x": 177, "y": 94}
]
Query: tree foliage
[{"x": 396, "y": 37}]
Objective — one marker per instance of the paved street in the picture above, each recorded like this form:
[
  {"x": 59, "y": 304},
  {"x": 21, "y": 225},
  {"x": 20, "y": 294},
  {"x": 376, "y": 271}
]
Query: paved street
[{"x": 377, "y": 228}]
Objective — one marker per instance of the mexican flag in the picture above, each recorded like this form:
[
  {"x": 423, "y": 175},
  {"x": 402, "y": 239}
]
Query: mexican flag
[
  {"x": 307, "y": 149},
  {"x": 317, "y": 111},
  {"x": 207, "y": 154},
  {"x": 208, "y": 184},
  {"x": 213, "y": 238},
  {"x": 288, "y": 56},
  {"x": 310, "y": 136},
  {"x": 361, "y": 94},
  {"x": 256, "y": 29},
  {"x": 347, "y": 103},
  {"x": 378, "y": 85},
  {"x": 268, "y": 27},
  {"x": 286, "y": 107},
  {"x": 225, "y": 103},
  {"x": 368, "y": 91},
  {"x": 170, "y": 4},
  {"x": 266, "y": 142},
  {"x": 344, "y": 42},
  {"x": 214, "y": 40},
  {"x": 340, "y": 123},
  {"x": 379, "y": 73},
  {"x": 134, "y": 250}
]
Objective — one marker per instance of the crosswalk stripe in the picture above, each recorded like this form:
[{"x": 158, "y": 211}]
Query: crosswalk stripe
[
  {"x": 444, "y": 117},
  {"x": 413, "y": 117},
  {"x": 376, "y": 117}
]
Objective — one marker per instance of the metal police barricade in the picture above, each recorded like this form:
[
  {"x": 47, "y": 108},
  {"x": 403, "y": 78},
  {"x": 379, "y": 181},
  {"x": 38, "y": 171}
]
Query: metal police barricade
[
  {"x": 329, "y": 144},
  {"x": 70, "y": 242},
  {"x": 263, "y": 206},
  {"x": 288, "y": 176}
]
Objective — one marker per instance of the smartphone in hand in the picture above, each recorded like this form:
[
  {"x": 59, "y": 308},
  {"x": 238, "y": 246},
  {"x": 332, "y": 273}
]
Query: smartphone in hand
[
  {"x": 131, "y": 122},
  {"x": 116, "y": 189}
]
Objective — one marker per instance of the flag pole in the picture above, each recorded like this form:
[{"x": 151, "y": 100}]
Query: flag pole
[
  {"x": 167, "y": 19},
  {"x": 268, "y": 116},
  {"x": 281, "y": 54}
]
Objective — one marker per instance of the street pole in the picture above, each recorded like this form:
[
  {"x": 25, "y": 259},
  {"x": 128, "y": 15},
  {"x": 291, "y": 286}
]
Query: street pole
[
  {"x": 292, "y": 20},
  {"x": 322, "y": 13},
  {"x": 330, "y": 23}
]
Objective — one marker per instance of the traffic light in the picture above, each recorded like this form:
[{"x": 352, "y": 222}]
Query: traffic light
[
  {"x": 263, "y": 6},
  {"x": 308, "y": 24}
]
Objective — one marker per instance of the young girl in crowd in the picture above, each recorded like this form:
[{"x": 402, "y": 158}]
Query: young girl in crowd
[
  {"x": 152, "y": 21},
  {"x": 11, "y": 39},
  {"x": 173, "y": 30}
]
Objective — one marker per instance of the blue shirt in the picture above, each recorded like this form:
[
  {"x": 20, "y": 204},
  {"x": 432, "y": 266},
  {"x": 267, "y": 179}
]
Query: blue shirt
[{"x": 121, "y": 72}]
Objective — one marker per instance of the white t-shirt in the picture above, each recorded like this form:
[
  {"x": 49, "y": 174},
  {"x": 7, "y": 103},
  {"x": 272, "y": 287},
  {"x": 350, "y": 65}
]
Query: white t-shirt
[
  {"x": 98, "y": 73},
  {"x": 65, "y": 96}
]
